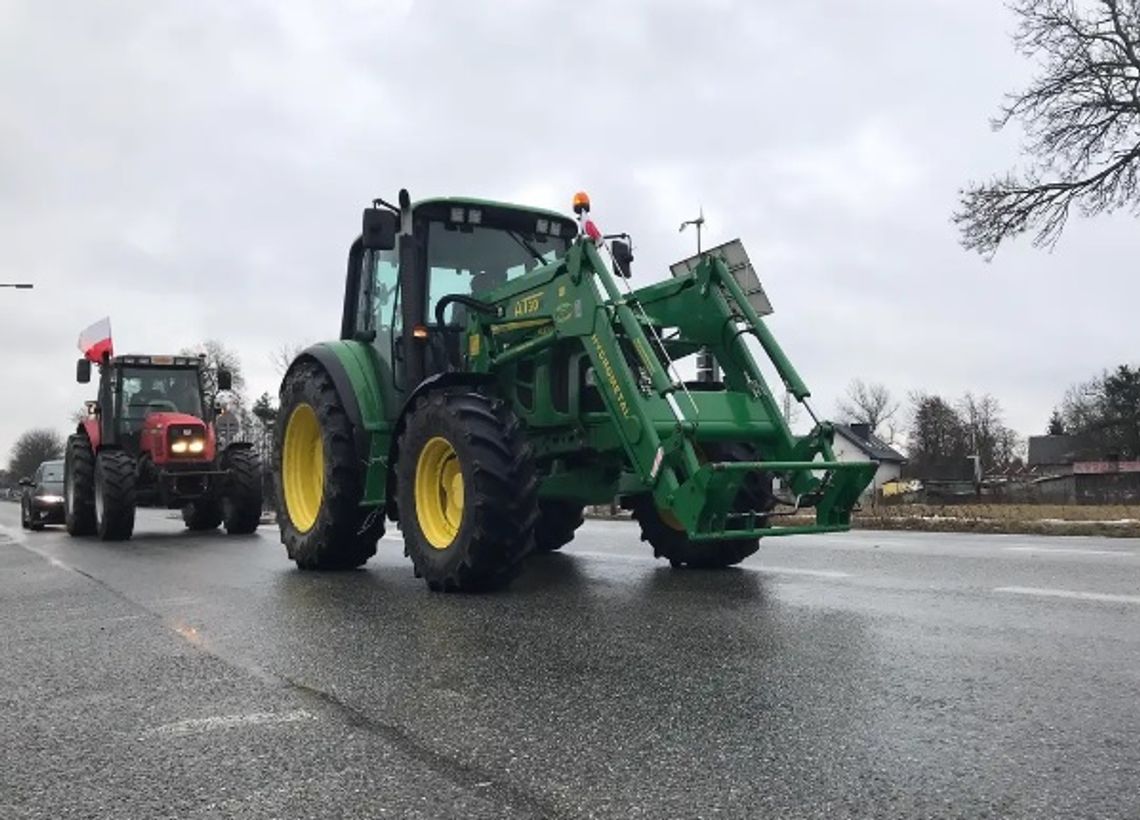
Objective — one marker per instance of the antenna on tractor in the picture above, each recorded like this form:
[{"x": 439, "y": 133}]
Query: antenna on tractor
[
  {"x": 707, "y": 370},
  {"x": 698, "y": 222}
]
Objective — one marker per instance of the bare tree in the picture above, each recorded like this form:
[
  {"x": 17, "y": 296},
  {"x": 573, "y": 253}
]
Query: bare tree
[
  {"x": 218, "y": 356},
  {"x": 32, "y": 448},
  {"x": 1081, "y": 116},
  {"x": 870, "y": 404},
  {"x": 284, "y": 355},
  {"x": 996, "y": 445}
]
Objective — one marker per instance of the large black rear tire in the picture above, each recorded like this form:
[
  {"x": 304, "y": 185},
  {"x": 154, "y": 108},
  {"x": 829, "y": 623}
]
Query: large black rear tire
[
  {"x": 318, "y": 480},
  {"x": 114, "y": 495},
  {"x": 79, "y": 486},
  {"x": 202, "y": 515},
  {"x": 670, "y": 541},
  {"x": 241, "y": 495},
  {"x": 557, "y": 522},
  {"x": 468, "y": 495}
]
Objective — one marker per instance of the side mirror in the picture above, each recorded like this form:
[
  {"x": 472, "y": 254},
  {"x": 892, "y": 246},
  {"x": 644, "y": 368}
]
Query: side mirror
[
  {"x": 83, "y": 371},
  {"x": 380, "y": 226},
  {"x": 27, "y": 482},
  {"x": 225, "y": 379},
  {"x": 623, "y": 258}
]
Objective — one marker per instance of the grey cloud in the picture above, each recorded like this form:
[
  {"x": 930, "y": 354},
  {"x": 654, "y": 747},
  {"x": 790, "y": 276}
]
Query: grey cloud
[{"x": 197, "y": 170}]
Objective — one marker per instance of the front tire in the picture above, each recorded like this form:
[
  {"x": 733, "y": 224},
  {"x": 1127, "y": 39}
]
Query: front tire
[
  {"x": 114, "y": 495},
  {"x": 557, "y": 522},
  {"x": 202, "y": 515},
  {"x": 467, "y": 492},
  {"x": 79, "y": 486},
  {"x": 669, "y": 539},
  {"x": 241, "y": 499},
  {"x": 318, "y": 479}
]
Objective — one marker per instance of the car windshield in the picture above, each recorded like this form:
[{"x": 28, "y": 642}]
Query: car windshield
[
  {"x": 476, "y": 259},
  {"x": 146, "y": 390},
  {"x": 53, "y": 473}
]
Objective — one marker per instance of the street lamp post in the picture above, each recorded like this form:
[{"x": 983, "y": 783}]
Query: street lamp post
[{"x": 707, "y": 369}]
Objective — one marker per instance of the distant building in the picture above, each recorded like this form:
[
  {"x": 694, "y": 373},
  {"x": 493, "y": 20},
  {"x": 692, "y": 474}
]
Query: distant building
[
  {"x": 1068, "y": 470},
  {"x": 856, "y": 442},
  {"x": 1055, "y": 454}
]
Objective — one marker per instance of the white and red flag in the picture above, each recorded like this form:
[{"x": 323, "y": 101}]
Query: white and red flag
[{"x": 95, "y": 341}]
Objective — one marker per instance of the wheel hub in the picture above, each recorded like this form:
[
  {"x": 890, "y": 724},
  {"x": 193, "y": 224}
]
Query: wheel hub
[
  {"x": 439, "y": 492},
  {"x": 303, "y": 467}
]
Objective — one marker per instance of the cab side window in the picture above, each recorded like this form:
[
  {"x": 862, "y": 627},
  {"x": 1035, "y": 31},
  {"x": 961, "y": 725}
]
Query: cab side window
[{"x": 377, "y": 310}]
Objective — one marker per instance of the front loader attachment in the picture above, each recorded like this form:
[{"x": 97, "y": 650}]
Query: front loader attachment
[
  {"x": 646, "y": 432},
  {"x": 705, "y": 503},
  {"x": 646, "y": 330}
]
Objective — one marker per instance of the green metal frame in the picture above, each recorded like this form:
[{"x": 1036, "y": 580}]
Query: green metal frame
[
  {"x": 649, "y": 436},
  {"x": 628, "y": 427}
]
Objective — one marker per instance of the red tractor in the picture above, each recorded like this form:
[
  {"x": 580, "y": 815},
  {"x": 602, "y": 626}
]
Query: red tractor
[{"x": 149, "y": 440}]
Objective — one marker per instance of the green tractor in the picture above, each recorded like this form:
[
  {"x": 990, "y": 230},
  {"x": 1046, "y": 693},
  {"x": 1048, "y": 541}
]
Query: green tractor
[{"x": 492, "y": 378}]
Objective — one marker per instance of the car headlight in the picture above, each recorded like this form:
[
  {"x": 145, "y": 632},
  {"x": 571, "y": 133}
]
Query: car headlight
[{"x": 50, "y": 499}]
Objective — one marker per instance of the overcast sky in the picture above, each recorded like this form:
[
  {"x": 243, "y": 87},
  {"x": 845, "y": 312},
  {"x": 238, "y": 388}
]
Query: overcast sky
[{"x": 197, "y": 169}]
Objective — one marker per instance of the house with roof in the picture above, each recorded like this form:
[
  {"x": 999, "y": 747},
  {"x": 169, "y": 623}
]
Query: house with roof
[
  {"x": 857, "y": 442},
  {"x": 1056, "y": 454}
]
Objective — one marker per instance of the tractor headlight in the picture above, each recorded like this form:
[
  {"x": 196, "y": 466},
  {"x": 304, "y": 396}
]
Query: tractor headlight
[{"x": 187, "y": 440}]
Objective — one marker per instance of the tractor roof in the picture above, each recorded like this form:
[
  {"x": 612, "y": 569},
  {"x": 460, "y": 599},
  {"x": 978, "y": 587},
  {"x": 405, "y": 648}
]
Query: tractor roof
[
  {"x": 157, "y": 360},
  {"x": 488, "y": 203}
]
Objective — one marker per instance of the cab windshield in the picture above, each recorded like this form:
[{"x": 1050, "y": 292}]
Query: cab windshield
[
  {"x": 144, "y": 390},
  {"x": 475, "y": 259}
]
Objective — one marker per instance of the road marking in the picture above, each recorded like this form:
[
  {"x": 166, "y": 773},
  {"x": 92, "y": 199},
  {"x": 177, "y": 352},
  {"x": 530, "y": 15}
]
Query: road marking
[
  {"x": 211, "y": 724},
  {"x": 644, "y": 559},
  {"x": 1043, "y": 592},
  {"x": 1070, "y": 551},
  {"x": 811, "y": 573}
]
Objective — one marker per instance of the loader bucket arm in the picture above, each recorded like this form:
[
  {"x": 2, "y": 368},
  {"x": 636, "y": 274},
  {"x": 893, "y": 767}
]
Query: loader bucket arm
[{"x": 662, "y": 426}]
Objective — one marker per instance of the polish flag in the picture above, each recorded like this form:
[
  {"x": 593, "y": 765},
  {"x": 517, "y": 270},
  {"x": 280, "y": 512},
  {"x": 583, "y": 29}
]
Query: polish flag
[{"x": 95, "y": 341}]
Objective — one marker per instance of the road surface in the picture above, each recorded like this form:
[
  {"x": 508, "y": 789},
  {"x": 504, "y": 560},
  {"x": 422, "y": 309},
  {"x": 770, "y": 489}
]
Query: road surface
[{"x": 860, "y": 675}]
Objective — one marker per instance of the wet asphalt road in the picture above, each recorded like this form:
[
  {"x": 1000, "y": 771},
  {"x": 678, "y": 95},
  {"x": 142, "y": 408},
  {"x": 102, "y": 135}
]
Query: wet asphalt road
[{"x": 858, "y": 675}]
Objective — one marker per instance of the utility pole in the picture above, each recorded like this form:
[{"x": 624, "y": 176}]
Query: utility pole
[{"x": 707, "y": 370}]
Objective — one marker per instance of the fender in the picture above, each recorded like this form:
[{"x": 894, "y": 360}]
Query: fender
[
  {"x": 436, "y": 382},
  {"x": 90, "y": 427},
  {"x": 350, "y": 367}
]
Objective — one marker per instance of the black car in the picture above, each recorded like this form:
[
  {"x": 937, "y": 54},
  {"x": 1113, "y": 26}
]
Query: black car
[{"x": 42, "y": 499}]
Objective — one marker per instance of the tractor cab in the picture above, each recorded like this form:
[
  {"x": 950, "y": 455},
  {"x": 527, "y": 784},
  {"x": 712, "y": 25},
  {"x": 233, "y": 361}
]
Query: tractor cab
[
  {"x": 143, "y": 395},
  {"x": 419, "y": 271}
]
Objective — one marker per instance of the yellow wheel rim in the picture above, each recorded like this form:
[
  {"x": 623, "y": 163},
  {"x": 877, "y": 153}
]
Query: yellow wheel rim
[
  {"x": 303, "y": 467},
  {"x": 670, "y": 520},
  {"x": 439, "y": 492}
]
